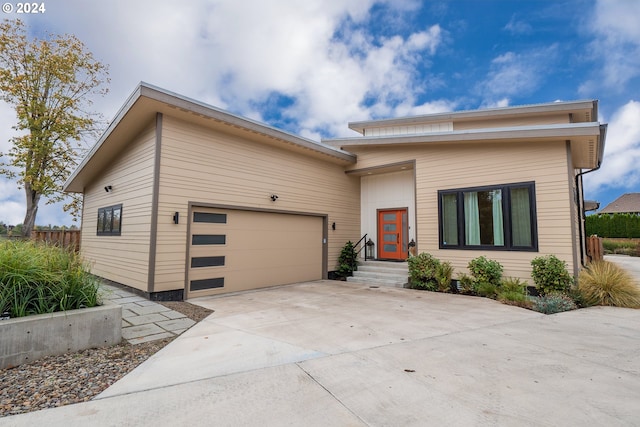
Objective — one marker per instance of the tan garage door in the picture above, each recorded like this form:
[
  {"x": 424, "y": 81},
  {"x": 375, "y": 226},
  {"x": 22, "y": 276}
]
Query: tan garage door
[{"x": 235, "y": 250}]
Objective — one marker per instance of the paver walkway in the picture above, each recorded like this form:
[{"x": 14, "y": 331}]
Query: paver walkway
[{"x": 144, "y": 320}]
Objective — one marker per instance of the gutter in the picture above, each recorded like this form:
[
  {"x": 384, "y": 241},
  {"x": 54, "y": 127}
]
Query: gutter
[{"x": 581, "y": 211}]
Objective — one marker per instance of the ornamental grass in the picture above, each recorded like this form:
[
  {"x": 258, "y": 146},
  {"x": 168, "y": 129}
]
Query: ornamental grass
[
  {"x": 604, "y": 283},
  {"x": 37, "y": 278}
]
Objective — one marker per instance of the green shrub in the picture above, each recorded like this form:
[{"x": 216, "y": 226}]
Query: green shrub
[
  {"x": 604, "y": 283},
  {"x": 486, "y": 289},
  {"x": 36, "y": 279},
  {"x": 513, "y": 291},
  {"x": 550, "y": 275},
  {"x": 485, "y": 271},
  {"x": 466, "y": 284},
  {"x": 444, "y": 273},
  {"x": 617, "y": 225},
  {"x": 423, "y": 270},
  {"x": 553, "y": 302},
  {"x": 347, "y": 260}
]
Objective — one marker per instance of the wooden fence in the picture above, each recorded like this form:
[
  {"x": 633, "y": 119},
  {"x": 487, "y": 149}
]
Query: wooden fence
[
  {"x": 64, "y": 238},
  {"x": 595, "y": 250}
]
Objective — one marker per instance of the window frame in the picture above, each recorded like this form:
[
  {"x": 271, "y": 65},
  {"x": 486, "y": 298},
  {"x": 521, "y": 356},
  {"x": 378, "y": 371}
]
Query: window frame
[
  {"x": 507, "y": 222},
  {"x": 107, "y": 229}
]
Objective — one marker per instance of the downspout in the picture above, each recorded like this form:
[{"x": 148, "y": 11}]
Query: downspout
[{"x": 581, "y": 211}]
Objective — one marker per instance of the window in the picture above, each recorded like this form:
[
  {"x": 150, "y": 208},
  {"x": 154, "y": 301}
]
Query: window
[
  {"x": 208, "y": 239},
  {"x": 213, "y": 218},
  {"x": 501, "y": 217},
  {"x": 109, "y": 220}
]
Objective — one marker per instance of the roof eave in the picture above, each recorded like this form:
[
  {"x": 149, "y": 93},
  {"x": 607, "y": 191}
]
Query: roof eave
[
  {"x": 564, "y": 131},
  {"x": 74, "y": 184},
  {"x": 70, "y": 185},
  {"x": 480, "y": 114}
]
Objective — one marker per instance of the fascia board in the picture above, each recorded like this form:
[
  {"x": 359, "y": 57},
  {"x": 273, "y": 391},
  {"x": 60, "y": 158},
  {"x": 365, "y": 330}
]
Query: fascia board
[
  {"x": 565, "y": 131},
  {"x": 493, "y": 113}
]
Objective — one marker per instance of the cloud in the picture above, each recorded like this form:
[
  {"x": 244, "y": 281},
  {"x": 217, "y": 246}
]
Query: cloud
[
  {"x": 12, "y": 206},
  {"x": 320, "y": 56},
  {"x": 516, "y": 74},
  {"x": 622, "y": 152},
  {"x": 517, "y": 27},
  {"x": 236, "y": 55},
  {"x": 500, "y": 103},
  {"x": 616, "y": 43}
]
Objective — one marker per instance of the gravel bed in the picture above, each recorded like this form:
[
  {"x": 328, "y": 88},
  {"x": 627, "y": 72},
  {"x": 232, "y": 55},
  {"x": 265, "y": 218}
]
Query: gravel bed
[{"x": 77, "y": 377}]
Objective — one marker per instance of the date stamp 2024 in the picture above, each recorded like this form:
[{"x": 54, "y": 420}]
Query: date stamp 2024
[{"x": 24, "y": 8}]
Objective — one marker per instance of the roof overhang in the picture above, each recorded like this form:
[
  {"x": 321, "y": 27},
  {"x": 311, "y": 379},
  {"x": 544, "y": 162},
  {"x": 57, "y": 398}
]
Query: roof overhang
[
  {"x": 586, "y": 139},
  {"x": 141, "y": 108},
  {"x": 581, "y": 111}
]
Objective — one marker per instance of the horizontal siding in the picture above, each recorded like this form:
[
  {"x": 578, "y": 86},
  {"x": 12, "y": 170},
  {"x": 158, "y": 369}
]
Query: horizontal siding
[
  {"x": 123, "y": 258},
  {"x": 485, "y": 123},
  {"x": 442, "y": 167},
  {"x": 206, "y": 166},
  {"x": 410, "y": 129},
  {"x": 548, "y": 119}
]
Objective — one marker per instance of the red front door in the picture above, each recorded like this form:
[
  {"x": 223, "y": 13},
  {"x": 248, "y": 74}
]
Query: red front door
[{"x": 392, "y": 234}]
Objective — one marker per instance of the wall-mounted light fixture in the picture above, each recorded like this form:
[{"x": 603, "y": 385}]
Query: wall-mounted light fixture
[
  {"x": 273, "y": 197},
  {"x": 370, "y": 251},
  {"x": 333, "y": 226},
  {"x": 176, "y": 217},
  {"x": 108, "y": 188}
]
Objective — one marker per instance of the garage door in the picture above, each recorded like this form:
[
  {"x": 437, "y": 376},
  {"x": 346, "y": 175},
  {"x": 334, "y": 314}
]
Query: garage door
[{"x": 235, "y": 250}]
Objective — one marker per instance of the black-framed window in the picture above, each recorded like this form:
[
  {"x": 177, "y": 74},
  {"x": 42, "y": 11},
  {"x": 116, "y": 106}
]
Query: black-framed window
[
  {"x": 498, "y": 217},
  {"x": 109, "y": 220}
]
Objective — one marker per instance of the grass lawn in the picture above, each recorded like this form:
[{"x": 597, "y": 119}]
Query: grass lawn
[{"x": 621, "y": 246}]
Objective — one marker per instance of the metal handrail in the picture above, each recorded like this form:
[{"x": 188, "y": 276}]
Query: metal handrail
[{"x": 364, "y": 245}]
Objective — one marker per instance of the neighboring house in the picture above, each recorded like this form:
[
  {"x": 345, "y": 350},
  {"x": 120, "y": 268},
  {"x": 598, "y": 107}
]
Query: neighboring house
[
  {"x": 591, "y": 205},
  {"x": 182, "y": 199},
  {"x": 627, "y": 203}
]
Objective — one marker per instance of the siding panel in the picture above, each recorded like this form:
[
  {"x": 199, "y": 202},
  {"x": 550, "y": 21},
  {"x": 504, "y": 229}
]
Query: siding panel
[
  {"x": 123, "y": 258},
  {"x": 206, "y": 166},
  {"x": 442, "y": 167}
]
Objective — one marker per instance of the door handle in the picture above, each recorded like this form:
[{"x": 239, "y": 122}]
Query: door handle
[{"x": 398, "y": 238}]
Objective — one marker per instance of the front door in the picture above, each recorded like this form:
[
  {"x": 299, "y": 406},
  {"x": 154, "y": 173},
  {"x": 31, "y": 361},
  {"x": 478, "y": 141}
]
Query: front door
[{"x": 392, "y": 234}]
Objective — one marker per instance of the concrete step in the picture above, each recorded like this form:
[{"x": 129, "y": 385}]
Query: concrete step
[
  {"x": 399, "y": 265},
  {"x": 383, "y": 269},
  {"x": 378, "y": 282},
  {"x": 381, "y": 273}
]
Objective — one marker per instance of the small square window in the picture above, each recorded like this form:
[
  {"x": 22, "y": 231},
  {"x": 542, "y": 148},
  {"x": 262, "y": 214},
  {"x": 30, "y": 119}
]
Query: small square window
[{"x": 109, "y": 221}]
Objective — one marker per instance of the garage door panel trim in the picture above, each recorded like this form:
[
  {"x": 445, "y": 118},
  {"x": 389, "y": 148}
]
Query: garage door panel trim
[{"x": 197, "y": 284}]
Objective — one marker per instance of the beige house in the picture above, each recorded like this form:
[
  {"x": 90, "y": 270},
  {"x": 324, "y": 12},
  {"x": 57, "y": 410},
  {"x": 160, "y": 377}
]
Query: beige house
[{"x": 182, "y": 199}]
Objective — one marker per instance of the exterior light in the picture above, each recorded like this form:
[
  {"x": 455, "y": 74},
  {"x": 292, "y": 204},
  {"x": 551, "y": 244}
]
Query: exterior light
[
  {"x": 370, "y": 250},
  {"x": 412, "y": 248}
]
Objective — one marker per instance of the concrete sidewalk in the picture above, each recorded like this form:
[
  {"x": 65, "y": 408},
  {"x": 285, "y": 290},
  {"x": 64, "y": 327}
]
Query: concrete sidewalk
[{"x": 331, "y": 353}]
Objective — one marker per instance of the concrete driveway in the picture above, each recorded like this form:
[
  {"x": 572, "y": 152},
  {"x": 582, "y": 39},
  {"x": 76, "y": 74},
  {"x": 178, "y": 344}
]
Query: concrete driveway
[{"x": 342, "y": 354}]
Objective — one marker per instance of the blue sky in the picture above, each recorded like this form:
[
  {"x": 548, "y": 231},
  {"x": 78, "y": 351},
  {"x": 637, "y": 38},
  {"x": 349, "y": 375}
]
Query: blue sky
[{"x": 312, "y": 66}]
